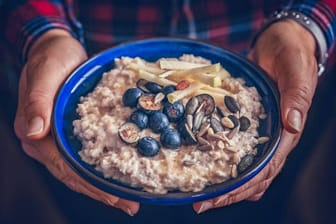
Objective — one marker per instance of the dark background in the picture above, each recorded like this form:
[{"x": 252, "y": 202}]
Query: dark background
[{"x": 29, "y": 194}]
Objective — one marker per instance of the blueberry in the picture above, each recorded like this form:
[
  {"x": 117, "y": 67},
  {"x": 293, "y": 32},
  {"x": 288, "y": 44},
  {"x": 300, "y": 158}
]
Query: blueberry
[
  {"x": 148, "y": 146},
  {"x": 131, "y": 96},
  {"x": 139, "y": 118},
  {"x": 158, "y": 122},
  {"x": 170, "y": 138},
  {"x": 153, "y": 87},
  {"x": 168, "y": 89},
  {"x": 174, "y": 111}
]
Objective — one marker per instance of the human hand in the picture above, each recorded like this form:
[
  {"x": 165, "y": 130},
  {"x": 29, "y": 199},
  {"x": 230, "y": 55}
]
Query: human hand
[
  {"x": 50, "y": 61},
  {"x": 286, "y": 51}
]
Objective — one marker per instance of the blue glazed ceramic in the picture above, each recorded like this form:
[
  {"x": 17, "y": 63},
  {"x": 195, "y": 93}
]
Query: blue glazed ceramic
[{"x": 83, "y": 80}]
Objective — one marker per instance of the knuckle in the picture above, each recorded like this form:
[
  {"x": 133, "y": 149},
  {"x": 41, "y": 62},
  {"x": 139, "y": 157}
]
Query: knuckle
[
  {"x": 37, "y": 99},
  {"x": 300, "y": 95}
]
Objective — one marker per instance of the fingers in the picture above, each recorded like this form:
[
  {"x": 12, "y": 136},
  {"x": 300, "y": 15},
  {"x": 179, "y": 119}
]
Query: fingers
[
  {"x": 256, "y": 197},
  {"x": 255, "y": 188},
  {"x": 297, "y": 81},
  {"x": 58, "y": 168},
  {"x": 46, "y": 69}
]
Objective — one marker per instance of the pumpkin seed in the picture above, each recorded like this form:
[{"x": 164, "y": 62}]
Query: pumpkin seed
[
  {"x": 192, "y": 105},
  {"x": 141, "y": 84},
  {"x": 227, "y": 122},
  {"x": 245, "y": 163},
  {"x": 231, "y": 104},
  {"x": 234, "y": 120},
  {"x": 188, "y": 163},
  {"x": 190, "y": 121},
  {"x": 232, "y": 132},
  {"x": 204, "y": 128},
  {"x": 245, "y": 123},
  {"x": 205, "y": 147},
  {"x": 159, "y": 97},
  {"x": 202, "y": 141},
  {"x": 210, "y": 131},
  {"x": 197, "y": 121},
  {"x": 234, "y": 171},
  {"x": 262, "y": 140},
  {"x": 215, "y": 137},
  {"x": 221, "y": 144},
  {"x": 190, "y": 138},
  {"x": 216, "y": 125},
  {"x": 220, "y": 111}
]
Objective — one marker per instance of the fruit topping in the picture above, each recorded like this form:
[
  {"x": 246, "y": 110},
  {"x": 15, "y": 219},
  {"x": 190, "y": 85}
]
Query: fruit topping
[
  {"x": 158, "y": 122},
  {"x": 153, "y": 87},
  {"x": 129, "y": 133},
  {"x": 174, "y": 111},
  {"x": 170, "y": 138},
  {"x": 148, "y": 146},
  {"x": 139, "y": 118},
  {"x": 208, "y": 103},
  {"x": 148, "y": 103},
  {"x": 168, "y": 89},
  {"x": 131, "y": 96}
]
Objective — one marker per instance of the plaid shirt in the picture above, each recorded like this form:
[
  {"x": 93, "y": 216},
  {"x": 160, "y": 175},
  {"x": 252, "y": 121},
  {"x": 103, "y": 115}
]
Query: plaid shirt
[{"x": 102, "y": 23}]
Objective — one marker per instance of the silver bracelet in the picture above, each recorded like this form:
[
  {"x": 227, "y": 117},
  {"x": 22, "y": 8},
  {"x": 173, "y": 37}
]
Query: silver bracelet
[{"x": 307, "y": 23}]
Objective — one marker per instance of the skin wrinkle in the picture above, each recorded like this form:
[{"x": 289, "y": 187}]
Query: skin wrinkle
[
  {"x": 49, "y": 155},
  {"x": 58, "y": 167},
  {"x": 264, "y": 179}
]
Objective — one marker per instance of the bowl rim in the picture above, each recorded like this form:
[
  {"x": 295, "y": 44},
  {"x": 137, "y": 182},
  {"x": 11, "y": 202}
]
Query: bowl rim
[{"x": 171, "y": 198}]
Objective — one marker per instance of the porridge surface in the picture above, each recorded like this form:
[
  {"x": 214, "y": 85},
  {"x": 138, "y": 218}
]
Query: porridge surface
[{"x": 187, "y": 168}]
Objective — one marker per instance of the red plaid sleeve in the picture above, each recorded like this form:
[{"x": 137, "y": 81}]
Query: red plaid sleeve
[
  {"x": 28, "y": 20},
  {"x": 324, "y": 13}
]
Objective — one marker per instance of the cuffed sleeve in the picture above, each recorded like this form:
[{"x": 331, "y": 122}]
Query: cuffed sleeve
[
  {"x": 28, "y": 20},
  {"x": 323, "y": 14}
]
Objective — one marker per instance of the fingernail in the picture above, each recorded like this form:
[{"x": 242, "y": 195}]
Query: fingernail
[
  {"x": 35, "y": 126},
  {"x": 295, "y": 119},
  {"x": 204, "y": 207},
  {"x": 128, "y": 211},
  {"x": 220, "y": 200}
]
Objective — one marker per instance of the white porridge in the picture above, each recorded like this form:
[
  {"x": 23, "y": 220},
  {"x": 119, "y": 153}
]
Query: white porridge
[{"x": 206, "y": 143}]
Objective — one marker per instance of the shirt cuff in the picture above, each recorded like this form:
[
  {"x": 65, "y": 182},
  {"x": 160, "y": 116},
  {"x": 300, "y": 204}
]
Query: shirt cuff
[
  {"x": 36, "y": 28},
  {"x": 322, "y": 14}
]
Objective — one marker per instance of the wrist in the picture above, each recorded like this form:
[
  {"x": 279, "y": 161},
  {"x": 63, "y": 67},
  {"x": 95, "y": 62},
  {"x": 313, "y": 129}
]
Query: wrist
[
  {"x": 306, "y": 23},
  {"x": 295, "y": 33},
  {"x": 46, "y": 37}
]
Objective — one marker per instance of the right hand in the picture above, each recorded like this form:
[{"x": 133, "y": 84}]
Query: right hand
[{"x": 51, "y": 59}]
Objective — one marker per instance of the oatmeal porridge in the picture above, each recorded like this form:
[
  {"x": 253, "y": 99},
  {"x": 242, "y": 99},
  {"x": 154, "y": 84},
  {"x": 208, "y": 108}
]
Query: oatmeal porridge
[{"x": 173, "y": 124}]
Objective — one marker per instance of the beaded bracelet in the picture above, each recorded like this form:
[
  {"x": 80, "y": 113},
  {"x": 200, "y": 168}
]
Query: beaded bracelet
[{"x": 307, "y": 23}]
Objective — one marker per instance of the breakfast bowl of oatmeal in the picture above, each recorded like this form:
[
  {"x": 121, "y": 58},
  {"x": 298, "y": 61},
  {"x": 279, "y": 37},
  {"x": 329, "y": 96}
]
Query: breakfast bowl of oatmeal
[{"x": 167, "y": 121}]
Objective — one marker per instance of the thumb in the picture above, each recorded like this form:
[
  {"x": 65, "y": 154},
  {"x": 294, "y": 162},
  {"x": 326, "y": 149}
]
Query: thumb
[
  {"x": 297, "y": 87},
  {"x": 41, "y": 87},
  {"x": 44, "y": 74}
]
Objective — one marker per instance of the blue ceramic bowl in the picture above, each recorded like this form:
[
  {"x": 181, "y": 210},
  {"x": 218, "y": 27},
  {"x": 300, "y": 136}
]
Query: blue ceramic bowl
[{"x": 84, "y": 79}]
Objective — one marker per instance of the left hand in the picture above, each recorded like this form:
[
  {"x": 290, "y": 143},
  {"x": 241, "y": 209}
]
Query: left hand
[{"x": 286, "y": 51}]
